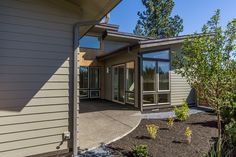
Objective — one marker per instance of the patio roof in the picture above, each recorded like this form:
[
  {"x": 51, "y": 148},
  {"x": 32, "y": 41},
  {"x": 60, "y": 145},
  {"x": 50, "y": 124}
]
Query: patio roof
[{"x": 146, "y": 44}]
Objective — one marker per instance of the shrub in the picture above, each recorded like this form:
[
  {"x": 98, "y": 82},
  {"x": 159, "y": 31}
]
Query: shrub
[
  {"x": 182, "y": 113},
  {"x": 230, "y": 132},
  {"x": 140, "y": 151},
  {"x": 170, "y": 122},
  {"x": 152, "y": 130}
]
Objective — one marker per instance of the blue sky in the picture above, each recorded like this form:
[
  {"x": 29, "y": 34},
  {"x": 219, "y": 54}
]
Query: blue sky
[{"x": 195, "y": 13}]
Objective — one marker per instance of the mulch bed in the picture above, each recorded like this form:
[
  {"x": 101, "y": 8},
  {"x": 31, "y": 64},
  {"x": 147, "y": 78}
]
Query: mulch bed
[{"x": 171, "y": 142}]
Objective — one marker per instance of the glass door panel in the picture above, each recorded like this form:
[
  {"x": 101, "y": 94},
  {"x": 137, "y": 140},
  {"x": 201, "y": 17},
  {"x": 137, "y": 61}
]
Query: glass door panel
[
  {"x": 130, "y": 82},
  {"x": 119, "y": 83}
]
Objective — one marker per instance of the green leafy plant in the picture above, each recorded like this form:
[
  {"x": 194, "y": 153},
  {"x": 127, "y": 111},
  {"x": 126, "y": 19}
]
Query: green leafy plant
[
  {"x": 140, "y": 151},
  {"x": 152, "y": 130},
  {"x": 170, "y": 122},
  {"x": 226, "y": 150},
  {"x": 188, "y": 134},
  {"x": 230, "y": 132},
  {"x": 182, "y": 112}
]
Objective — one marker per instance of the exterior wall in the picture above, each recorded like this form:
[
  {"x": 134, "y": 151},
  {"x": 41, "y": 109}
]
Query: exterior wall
[
  {"x": 36, "y": 45},
  {"x": 124, "y": 57}
]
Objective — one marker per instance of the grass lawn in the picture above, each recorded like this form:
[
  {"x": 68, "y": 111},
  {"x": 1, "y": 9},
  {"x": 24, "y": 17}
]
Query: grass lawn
[{"x": 171, "y": 142}]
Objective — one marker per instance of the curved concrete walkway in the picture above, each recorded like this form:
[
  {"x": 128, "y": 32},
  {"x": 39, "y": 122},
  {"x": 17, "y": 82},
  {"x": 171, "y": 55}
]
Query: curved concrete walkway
[{"x": 103, "y": 122}]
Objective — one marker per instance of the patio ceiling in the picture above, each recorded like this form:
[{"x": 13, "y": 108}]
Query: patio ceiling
[{"x": 92, "y": 10}]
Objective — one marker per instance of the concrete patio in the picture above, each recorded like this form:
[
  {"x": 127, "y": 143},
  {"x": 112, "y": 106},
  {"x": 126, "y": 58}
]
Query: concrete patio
[{"x": 103, "y": 122}]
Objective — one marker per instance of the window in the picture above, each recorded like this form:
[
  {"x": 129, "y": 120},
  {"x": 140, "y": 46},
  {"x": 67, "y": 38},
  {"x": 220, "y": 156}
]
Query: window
[
  {"x": 156, "y": 78},
  {"x": 157, "y": 55},
  {"x": 89, "y": 82},
  {"x": 90, "y": 42},
  {"x": 149, "y": 99},
  {"x": 163, "y": 98},
  {"x": 83, "y": 94},
  {"x": 149, "y": 72},
  {"x": 94, "y": 93},
  {"x": 163, "y": 70}
]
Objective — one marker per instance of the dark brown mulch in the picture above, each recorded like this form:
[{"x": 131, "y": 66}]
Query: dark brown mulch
[{"x": 171, "y": 142}]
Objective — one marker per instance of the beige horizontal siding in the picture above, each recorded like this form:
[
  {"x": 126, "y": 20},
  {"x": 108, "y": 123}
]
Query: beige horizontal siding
[
  {"x": 18, "y": 103},
  {"x": 32, "y": 134},
  {"x": 11, "y": 52},
  {"x": 37, "y": 110},
  {"x": 180, "y": 90},
  {"x": 10, "y": 120},
  {"x": 11, "y": 43},
  {"x": 30, "y": 142},
  {"x": 34, "y": 39},
  {"x": 36, "y": 46},
  {"x": 14, "y": 86},
  {"x": 33, "y": 126},
  {"x": 38, "y": 149}
]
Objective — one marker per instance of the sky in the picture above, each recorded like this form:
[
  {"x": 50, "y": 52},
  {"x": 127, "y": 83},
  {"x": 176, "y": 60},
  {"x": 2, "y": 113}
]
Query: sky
[{"x": 194, "y": 13}]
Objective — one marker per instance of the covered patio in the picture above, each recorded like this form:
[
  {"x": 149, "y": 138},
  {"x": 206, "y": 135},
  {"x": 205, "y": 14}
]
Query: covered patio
[{"x": 103, "y": 121}]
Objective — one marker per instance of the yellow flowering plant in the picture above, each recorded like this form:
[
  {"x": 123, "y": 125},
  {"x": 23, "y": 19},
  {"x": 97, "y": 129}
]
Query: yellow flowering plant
[
  {"x": 188, "y": 134},
  {"x": 170, "y": 122},
  {"x": 152, "y": 130}
]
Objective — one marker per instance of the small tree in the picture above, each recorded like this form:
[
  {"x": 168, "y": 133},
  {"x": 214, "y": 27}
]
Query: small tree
[{"x": 206, "y": 62}]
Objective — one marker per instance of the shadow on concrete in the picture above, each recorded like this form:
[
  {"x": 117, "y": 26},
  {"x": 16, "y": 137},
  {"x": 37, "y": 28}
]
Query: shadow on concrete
[{"x": 95, "y": 105}]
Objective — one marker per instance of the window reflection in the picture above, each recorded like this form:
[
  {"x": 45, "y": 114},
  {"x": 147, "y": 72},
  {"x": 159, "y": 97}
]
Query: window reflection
[
  {"x": 149, "y": 71},
  {"x": 83, "y": 77},
  {"x": 163, "y": 69},
  {"x": 158, "y": 55}
]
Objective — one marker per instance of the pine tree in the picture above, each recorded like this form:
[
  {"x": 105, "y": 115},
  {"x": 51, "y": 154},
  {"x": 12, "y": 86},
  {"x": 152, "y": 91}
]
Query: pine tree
[{"x": 156, "y": 20}]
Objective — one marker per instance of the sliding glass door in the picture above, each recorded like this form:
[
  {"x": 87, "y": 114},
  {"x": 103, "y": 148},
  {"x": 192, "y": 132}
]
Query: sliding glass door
[{"x": 118, "y": 81}]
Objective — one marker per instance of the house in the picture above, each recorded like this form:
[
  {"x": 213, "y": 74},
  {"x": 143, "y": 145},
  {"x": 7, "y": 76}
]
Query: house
[
  {"x": 130, "y": 69},
  {"x": 38, "y": 73}
]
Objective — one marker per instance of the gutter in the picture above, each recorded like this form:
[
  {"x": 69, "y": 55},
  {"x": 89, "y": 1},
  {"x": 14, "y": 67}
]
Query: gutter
[{"x": 74, "y": 88}]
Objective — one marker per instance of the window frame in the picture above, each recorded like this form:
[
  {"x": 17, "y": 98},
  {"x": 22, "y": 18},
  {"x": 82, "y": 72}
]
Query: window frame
[{"x": 156, "y": 91}]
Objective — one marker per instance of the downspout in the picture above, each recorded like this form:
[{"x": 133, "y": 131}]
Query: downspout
[
  {"x": 75, "y": 95},
  {"x": 75, "y": 86}
]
